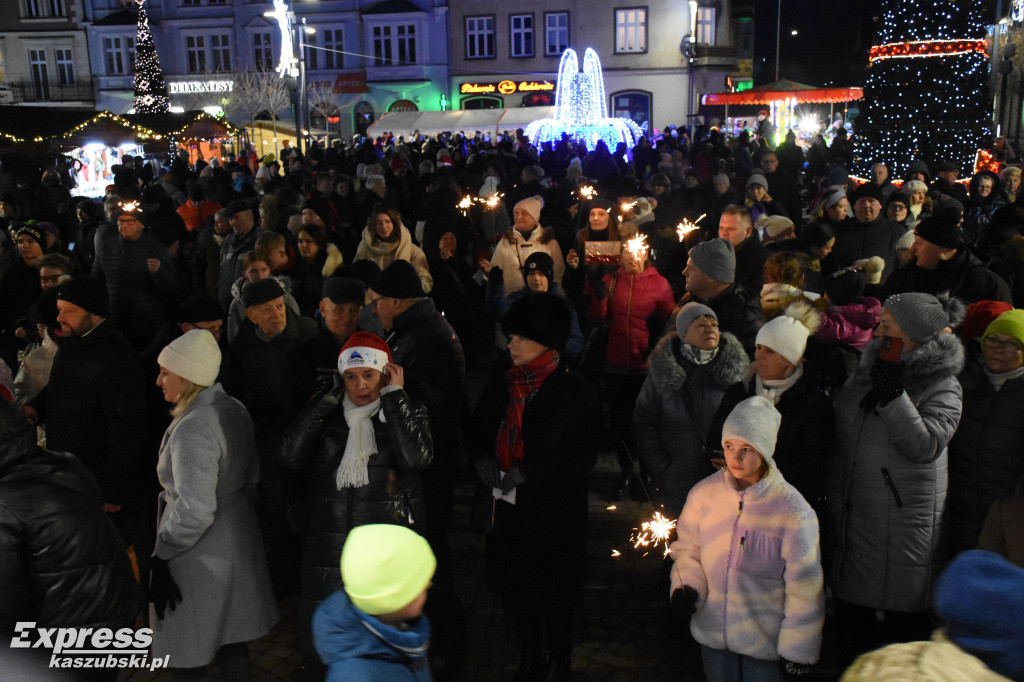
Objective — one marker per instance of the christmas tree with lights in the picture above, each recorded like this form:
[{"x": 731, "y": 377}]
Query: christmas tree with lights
[
  {"x": 150, "y": 89},
  {"x": 925, "y": 93}
]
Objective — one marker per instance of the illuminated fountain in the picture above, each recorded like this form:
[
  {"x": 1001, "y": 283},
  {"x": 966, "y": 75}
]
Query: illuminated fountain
[{"x": 580, "y": 108}]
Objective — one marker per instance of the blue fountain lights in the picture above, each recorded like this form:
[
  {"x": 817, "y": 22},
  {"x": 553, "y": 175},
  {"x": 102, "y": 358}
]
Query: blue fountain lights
[{"x": 580, "y": 108}]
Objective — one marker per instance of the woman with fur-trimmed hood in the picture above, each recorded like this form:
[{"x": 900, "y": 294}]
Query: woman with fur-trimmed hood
[
  {"x": 688, "y": 373},
  {"x": 525, "y": 238},
  {"x": 806, "y": 437},
  {"x": 887, "y": 486}
]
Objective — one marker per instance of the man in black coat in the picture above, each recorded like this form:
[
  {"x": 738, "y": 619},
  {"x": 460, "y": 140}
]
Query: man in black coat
[
  {"x": 736, "y": 225},
  {"x": 709, "y": 274},
  {"x": 62, "y": 563},
  {"x": 426, "y": 346},
  {"x": 243, "y": 238},
  {"x": 869, "y": 233},
  {"x": 340, "y": 304},
  {"x": 944, "y": 263}
]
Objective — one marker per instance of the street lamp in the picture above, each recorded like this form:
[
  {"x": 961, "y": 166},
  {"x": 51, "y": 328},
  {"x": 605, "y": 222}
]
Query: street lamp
[{"x": 291, "y": 65}]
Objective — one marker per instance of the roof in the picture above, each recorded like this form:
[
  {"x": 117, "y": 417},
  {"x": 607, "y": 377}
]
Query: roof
[
  {"x": 783, "y": 90},
  {"x": 72, "y": 127},
  {"x": 393, "y": 7}
]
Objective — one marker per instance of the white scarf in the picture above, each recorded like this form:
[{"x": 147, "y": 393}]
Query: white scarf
[
  {"x": 361, "y": 444},
  {"x": 999, "y": 379},
  {"x": 772, "y": 389}
]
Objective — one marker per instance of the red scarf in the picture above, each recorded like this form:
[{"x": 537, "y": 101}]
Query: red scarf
[{"x": 523, "y": 381}]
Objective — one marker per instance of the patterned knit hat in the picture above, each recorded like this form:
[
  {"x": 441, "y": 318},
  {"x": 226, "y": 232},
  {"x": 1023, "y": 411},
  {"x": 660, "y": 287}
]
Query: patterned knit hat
[
  {"x": 922, "y": 316},
  {"x": 364, "y": 350},
  {"x": 193, "y": 356}
]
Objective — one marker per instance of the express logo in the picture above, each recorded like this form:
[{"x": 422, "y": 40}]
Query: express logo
[
  {"x": 356, "y": 359},
  {"x": 90, "y": 647}
]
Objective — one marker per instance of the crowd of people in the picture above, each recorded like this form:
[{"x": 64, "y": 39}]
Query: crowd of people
[{"x": 290, "y": 365}]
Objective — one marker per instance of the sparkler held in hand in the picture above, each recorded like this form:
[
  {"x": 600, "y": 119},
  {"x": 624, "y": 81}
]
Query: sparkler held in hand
[{"x": 686, "y": 227}]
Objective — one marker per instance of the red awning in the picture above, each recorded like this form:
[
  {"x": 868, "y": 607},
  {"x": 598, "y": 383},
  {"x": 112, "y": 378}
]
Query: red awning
[{"x": 783, "y": 90}]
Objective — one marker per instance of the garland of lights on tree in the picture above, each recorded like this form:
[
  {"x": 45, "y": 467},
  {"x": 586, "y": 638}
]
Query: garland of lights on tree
[
  {"x": 925, "y": 92},
  {"x": 150, "y": 89}
]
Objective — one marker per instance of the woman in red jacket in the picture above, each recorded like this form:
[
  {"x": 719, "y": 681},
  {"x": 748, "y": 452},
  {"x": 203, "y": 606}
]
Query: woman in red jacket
[{"x": 634, "y": 301}]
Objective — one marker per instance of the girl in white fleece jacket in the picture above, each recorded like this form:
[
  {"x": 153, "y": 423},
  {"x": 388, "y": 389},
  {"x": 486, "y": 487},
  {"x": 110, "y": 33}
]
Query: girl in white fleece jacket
[{"x": 747, "y": 563}]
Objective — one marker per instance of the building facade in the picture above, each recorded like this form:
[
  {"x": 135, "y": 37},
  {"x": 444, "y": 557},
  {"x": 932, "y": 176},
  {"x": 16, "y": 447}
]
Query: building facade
[
  {"x": 657, "y": 57},
  {"x": 361, "y": 58},
  {"x": 44, "y": 58}
]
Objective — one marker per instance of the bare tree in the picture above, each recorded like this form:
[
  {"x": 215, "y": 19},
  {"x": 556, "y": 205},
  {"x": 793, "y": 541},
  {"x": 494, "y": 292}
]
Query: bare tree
[
  {"x": 325, "y": 102},
  {"x": 259, "y": 91}
]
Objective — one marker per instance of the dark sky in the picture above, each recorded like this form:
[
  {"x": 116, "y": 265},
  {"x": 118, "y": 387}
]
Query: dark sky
[{"x": 831, "y": 43}]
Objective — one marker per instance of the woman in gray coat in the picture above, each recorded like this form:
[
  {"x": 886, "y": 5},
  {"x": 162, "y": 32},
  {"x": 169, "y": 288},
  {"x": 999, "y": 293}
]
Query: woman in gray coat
[
  {"x": 887, "y": 487},
  {"x": 688, "y": 373},
  {"x": 209, "y": 585}
]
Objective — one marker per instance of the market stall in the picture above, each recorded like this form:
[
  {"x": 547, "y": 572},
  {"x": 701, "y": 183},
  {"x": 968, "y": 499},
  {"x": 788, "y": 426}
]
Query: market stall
[{"x": 489, "y": 121}]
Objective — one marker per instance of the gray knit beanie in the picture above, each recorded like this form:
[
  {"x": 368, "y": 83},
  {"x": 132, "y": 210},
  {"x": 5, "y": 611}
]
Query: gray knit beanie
[
  {"x": 756, "y": 421},
  {"x": 716, "y": 259},
  {"x": 922, "y": 316},
  {"x": 690, "y": 312}
]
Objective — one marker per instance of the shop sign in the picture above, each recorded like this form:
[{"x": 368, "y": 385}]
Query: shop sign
[
  {"x": 403, "y": 105},
  {"x": 505, "y": 87},
  {"x": 191, "y": 87},
  {"x": 354, "y": 81}
]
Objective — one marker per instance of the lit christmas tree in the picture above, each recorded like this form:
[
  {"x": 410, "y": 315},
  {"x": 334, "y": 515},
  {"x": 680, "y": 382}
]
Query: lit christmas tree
[
  {"x": 150, "y": 89},
  {"x": 925, "y": 92}
]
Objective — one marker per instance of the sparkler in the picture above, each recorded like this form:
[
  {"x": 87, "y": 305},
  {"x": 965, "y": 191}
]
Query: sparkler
[
  {"x": 130, "y": 206},
  {"x": 626, "y": 208},
  {"x": 637, "y": 246},
  {"x": 492, "y": 201},
  {"x": 686, "y": 227},
  {"x": 588, "y": 192},
  {"x": 464, "y": 205},
  {"x": 652, "y": 533}
]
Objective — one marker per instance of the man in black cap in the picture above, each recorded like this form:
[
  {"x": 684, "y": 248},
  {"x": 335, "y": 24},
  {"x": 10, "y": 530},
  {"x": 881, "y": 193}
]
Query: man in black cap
[
  {"x": 944, "y": 263},
  {"x": 869, "y": 233},
  {"x": 427, "y": 348},
  {"x": 947, "y": 183},
  {"x": 340, "y": 305},
  {"x": 243, "y": 238},
  {"x": 94, "y": 406}
]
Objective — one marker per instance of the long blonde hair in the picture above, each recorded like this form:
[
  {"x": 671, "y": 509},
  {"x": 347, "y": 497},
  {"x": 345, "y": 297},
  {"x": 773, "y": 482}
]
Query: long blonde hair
[{"x": 187, "y": 397}]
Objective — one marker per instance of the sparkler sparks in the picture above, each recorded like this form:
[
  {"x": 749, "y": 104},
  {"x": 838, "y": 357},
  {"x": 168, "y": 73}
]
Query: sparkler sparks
[
  {"x": 587, "y": 192},
  {"x": 492, "y": 201},
  {"x": 465, "y": 204},
  {"x": 130, "y": 206},
  {"x": 652, "y": 533},
  {"x": 686, "y": 227},
  {"x": 627, "y": 207},
  {"x": 637, "y": 246},
  {"x": 616, "y": 554}
]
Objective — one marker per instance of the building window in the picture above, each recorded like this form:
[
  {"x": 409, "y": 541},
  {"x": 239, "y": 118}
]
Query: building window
[
  {"x": 3, "y": 73},
  {"x": 521, "y": 27},
  {"x": 633, "y": 105},
  {"x": 333, "y": 47},
  {"x": 310, "y": 51},
  {"x": 264, "y": 51},
  {"x": 195, "y": 48},
  {"x": 65, "y": 66},
  {"x": 479, "y": 37},
  {"x": 33, "y": 8},
  {"x": 706, "y": 25},
  {"x": 56, "y": 8},
  {"x": 482, "y": 103},
  {"x": 631, "y": 29},
  {"x": 40, "y": 73},
  {"x": 119, "y": 55},
  {"x": 745, "y": 38},
  {"x": 556, "y": 33},
  {"x": 218, "y": 2},
  {"x": 191, "y": 3},
  {"x": 394, "y": 48},
  {"x": 44, "y": 8},
  {"x": 221, "y": 48}
]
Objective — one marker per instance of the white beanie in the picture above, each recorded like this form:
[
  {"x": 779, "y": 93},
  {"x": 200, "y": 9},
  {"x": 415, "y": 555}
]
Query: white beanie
[
  {"x": 787, "y": 334},
  {"x": 755, "y": 421},
  {"x": 193, "y": 356}
]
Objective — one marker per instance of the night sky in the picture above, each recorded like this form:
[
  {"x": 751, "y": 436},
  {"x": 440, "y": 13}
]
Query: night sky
[{"x": 831, "y": 42}]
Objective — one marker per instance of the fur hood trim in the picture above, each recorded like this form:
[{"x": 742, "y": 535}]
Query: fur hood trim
[
  {"x": 543, "y": 235},
  {"x": 668, "y": 375},
  {"x": 941, "y": 357},
  {"x": 333, "y": 262}
]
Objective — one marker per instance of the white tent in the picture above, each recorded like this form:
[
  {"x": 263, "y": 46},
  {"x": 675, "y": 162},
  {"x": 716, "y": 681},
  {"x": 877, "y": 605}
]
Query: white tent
[{"x": 494, "y": 121}]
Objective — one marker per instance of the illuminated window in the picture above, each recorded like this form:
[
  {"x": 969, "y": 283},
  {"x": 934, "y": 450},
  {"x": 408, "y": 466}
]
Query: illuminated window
[
  {"x": 479, "y": 37},
  {"x": 706, "y": 25},
  {"x": 631, "y": 29},
  {"x": 521, "y": 27},
  {"x": 556, "y": 32}
]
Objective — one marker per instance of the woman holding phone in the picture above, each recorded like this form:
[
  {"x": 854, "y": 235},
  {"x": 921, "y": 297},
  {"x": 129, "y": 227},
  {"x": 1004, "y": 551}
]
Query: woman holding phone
[{"x": 887, "y": 485}]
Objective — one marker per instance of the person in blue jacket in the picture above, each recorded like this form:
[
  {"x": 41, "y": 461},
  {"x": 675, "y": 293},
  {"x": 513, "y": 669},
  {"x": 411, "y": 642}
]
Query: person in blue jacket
[{"x": 374, "y": 629}]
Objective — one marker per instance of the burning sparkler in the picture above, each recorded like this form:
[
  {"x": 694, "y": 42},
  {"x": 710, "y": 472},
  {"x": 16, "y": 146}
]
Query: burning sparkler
[
  {"x": 492, "y": 201},
  {"x": 587, "y": 192},
  {"x": 686, "y": 227},
  {"x": 465, "y": 204},
  {"x": 637, "y": 246},
  {"x": 652, "y": 533},
  {"x": 130, "y": 206},
  {"x": 627, "y": 207}
]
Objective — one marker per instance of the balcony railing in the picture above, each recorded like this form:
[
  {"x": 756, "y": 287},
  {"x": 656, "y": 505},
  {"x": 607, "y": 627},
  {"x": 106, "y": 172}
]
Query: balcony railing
[{"x": 26, "y": 91}]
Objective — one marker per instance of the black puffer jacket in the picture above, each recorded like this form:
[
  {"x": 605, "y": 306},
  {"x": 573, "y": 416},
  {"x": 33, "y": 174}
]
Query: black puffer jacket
[
  {"x": 984, "y": 456},
  {"x": 62, "y": 563},
  {"x": 315, "y": 444}
]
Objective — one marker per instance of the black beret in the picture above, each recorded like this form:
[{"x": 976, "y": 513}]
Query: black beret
[{"x": 258, "y": 293}]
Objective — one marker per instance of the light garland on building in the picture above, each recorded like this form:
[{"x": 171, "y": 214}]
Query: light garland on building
[{"x": 139, "y": 132}]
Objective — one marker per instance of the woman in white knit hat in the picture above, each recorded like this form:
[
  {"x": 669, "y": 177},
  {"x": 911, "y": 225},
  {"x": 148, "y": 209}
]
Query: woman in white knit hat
[
  {"x": 209, "y": 585},
  {"x": 524, "y": 238},
  {"x": 747, "y": 569}
]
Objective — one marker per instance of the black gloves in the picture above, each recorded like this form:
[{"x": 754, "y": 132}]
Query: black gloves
[
  {"x": 495, "y": 276},
  {"x": 489, "y": 472},
  {"x": 684, "y": 602},
  {"x": 163, "y": 592},
  {"x": 513, "y": 477},
  {"x": 794, "y": 671},
  {"x": 886, "y": 385}
]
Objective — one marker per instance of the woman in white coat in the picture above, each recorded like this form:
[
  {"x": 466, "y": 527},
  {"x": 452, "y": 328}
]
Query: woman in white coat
[{"x": 209, "y": 584}]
